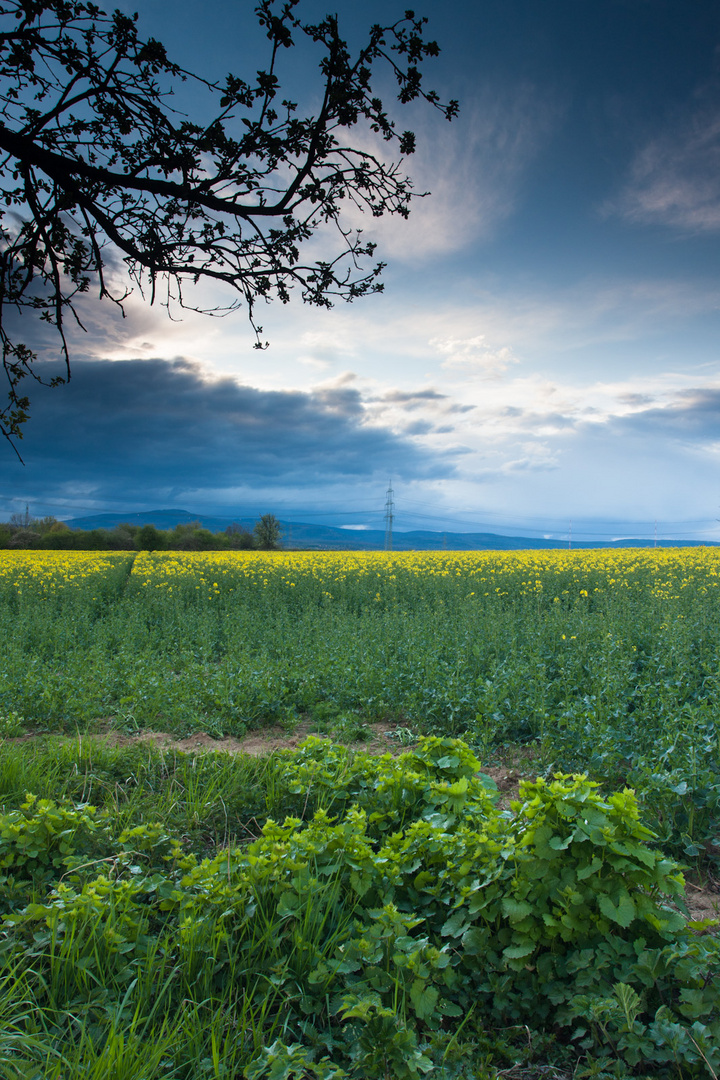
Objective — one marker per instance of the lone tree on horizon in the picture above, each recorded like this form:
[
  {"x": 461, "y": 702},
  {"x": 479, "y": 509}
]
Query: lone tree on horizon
[
  {"x": 97, "y": 168},
  {"x": 268, "y": 533}
]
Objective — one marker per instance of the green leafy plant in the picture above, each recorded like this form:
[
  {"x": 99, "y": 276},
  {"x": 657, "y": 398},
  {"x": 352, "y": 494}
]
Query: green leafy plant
[{"x": 404, "y": 907}]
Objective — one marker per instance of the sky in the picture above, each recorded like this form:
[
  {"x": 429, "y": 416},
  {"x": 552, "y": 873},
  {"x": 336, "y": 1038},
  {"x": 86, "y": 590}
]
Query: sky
[{"x": 544, "y": 358}]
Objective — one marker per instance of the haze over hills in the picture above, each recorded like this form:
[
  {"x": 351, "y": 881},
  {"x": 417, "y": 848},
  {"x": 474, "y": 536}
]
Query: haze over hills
[{"x": 305, "y": 536}]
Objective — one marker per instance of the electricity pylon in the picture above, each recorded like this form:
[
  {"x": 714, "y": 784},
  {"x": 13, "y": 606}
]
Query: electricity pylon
[{"x": 389, "y": 515}]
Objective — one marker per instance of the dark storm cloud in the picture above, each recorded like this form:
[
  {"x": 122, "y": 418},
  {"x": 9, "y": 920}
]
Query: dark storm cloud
[{"x": 154, "y": 429}]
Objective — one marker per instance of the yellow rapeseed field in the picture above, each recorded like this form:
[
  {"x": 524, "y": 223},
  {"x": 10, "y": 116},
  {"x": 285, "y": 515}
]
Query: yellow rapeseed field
[
  {"x": 46, "y": 572},
  {"x": 666, "y": 572}
]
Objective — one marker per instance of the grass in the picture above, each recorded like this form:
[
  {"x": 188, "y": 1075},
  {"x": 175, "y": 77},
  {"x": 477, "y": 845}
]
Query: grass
[{"x": 209, "y": 799}]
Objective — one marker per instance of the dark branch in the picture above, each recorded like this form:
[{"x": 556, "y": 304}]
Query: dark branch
[{"x": 95, "y": 157}]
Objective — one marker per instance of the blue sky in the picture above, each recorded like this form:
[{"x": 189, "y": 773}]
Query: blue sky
[{"x": 546, "y": 349}]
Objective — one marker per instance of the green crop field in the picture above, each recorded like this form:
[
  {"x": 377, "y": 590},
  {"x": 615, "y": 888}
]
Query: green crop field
[{"x": 160, "y": 920}]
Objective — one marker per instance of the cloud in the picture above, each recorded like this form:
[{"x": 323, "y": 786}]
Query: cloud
[
  {"x": 473, "y": 170},
  {"x": 675, "y": 177},
  {"x": 473, "y": 356},
  {"x": 635, "y": 400},
  {"x": 691, "y": 417},
  {"x": 537, "y": 457},
  {"x": 671, "y": 421},
  {"x": 474, "y": 344},
  {"x": 321, "y": 350},
  {"x": 156, "y": 432},
  {"x": 414, "y": 399},
  {"x": 400, "y": 409}
]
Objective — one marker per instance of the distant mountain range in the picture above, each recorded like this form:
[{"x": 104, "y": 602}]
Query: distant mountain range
[{"x": 301, "y": 535}]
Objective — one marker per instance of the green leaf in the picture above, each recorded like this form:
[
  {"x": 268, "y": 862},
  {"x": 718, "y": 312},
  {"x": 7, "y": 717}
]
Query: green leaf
[
  {"x": 456, "y": 924},
  {"x": 289, "y": 904},
  {"x": 516, "y": 910},
  {"x": 448, "y": 762},
  {"x": 622, "y": 913},
  {"x": 447, "y": 1008},
  {"x": 475, "y": 941},
  {"x": 517, "y": 952},
  {"x": 424, "y": 999},
  {"x": 638, "y": 851},
  {"x": 489, "y": 784},
  {"x": 541, "y": 840},
  {"x": 587, "y": 871},
  {"x": 695, "y": 1003}
]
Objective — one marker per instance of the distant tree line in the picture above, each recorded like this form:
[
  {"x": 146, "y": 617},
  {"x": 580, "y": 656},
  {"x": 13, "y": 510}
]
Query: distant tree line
[{"x": 47, "y": 533}]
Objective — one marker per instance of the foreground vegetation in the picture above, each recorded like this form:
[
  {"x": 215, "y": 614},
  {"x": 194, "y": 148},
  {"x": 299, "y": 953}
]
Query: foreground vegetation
[
  {"x": 395, "y": 924},
  {"x": 319, "y": 914}
]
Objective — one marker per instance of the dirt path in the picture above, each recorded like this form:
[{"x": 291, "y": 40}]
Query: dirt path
[{"x": 384, "y": 738}]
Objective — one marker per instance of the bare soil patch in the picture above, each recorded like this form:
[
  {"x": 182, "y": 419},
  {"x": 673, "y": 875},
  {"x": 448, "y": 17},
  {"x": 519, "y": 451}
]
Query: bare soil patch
[
  {"x": 382, "y": 740},
  {"x": 703, "y": 900}
]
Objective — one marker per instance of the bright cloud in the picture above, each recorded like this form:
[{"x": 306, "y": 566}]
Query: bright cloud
[{"x": 473, "y": 356}]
